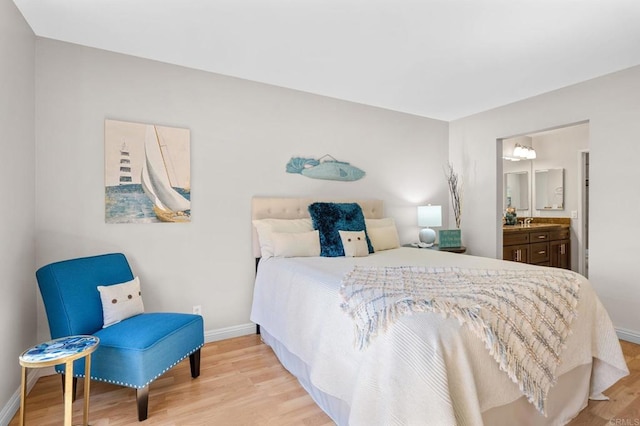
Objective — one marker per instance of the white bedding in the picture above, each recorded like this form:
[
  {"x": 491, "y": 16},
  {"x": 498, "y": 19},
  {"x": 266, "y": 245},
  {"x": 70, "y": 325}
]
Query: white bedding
[{"x": 425, "y": 369}]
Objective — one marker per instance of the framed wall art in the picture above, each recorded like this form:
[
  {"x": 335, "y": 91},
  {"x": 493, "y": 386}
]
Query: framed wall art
[{"x": 147, "y": 173}]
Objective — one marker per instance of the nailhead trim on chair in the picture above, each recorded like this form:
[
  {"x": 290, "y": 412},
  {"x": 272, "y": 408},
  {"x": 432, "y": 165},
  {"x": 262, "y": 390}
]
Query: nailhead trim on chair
[{"x": 146, "y": 384}]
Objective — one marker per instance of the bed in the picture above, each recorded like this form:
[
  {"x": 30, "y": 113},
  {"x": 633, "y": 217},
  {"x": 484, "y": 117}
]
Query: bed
[{"x": 423, "y": 367}]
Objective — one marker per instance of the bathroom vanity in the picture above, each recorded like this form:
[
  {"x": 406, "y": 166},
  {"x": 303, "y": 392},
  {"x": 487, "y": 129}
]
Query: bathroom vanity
[{"x": 544, "y": 244}]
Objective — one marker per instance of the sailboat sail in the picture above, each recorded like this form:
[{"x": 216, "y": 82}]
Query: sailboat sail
[
  {"x": 155, "y": 180},
  {"x": 148, "y": 189}
]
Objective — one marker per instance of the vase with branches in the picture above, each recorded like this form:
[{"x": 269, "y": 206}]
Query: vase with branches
[{"x": 455, "y": 189}]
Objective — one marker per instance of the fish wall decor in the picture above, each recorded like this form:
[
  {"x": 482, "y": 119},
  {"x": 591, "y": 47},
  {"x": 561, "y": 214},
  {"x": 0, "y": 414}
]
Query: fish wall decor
[{"x": 325, "y": 167}]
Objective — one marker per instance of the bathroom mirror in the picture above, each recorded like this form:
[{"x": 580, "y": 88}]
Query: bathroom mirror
[
  {"x": 549, "y": 189},
  {"x": 516, "y": 190}
]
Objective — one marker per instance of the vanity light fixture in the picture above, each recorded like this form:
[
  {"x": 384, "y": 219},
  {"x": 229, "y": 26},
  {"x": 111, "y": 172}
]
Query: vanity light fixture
[
  {"x": 524, "y": 152},
  {"x": 531, "y": 154},
  {"x": 519, "y": 151},
  {"x": 429, "y": 216}
]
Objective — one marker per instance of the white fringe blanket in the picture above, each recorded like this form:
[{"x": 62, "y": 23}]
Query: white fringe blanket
[{"x": 523, "y": 317}]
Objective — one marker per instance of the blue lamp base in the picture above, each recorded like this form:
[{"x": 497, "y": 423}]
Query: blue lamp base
[{"x": 427, "y": 236}]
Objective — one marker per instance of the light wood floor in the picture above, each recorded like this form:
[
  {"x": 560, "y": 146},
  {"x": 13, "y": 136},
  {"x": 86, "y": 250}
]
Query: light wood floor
[{"x": 242, "y": 383}]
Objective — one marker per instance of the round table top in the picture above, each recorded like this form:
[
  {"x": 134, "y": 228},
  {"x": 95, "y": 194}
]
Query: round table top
[{"x": 59, "y": 350}]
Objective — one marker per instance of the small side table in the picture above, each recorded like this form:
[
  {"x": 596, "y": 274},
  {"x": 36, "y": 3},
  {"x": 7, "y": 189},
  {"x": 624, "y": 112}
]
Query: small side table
[
  {"x": 64, "y": 350},
  {"x": 460, "y": 249}
]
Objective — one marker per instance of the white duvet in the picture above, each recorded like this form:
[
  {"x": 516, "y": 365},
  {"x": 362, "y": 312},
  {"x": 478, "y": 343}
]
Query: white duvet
[{"x": 425, "y": 369}]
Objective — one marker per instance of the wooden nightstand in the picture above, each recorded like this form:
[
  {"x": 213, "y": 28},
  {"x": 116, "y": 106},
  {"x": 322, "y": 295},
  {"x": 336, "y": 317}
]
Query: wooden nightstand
[{"x": 461, "y": 249}]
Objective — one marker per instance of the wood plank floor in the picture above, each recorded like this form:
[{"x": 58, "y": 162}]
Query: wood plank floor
[{"x": 242, "y": 383}]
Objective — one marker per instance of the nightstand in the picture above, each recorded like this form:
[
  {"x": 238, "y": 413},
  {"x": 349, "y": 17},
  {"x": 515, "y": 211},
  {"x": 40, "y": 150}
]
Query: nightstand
[{"x": 461, "y": 249}]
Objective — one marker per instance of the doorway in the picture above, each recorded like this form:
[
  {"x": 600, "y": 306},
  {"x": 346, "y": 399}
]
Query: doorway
[{"x": 564, "y": 149}]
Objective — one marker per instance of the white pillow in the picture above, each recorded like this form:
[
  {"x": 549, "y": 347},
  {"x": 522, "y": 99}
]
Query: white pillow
[
  {"x": 354, "y": 243},
  {"x": 296, "y": 244},
  {"x": 120, "y": 301},
  {"x": 266, "y": 228},
  {"x": 384, "y": 238},
  {"x": 379, "y": 223}
]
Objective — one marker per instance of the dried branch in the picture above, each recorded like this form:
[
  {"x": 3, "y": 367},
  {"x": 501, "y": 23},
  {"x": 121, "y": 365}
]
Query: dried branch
[{"x": 455, "y": 188}]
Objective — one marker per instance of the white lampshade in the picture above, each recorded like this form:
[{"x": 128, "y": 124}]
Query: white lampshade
[{"x": 429, "y": 216}]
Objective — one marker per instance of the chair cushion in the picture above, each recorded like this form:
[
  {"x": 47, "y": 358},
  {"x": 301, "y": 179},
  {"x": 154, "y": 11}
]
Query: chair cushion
[{"x": 137, "y": 350}]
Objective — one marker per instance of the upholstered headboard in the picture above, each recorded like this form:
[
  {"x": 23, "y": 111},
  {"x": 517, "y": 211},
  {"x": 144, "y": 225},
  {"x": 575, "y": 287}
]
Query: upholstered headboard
[{"x": 297, "y": 208}]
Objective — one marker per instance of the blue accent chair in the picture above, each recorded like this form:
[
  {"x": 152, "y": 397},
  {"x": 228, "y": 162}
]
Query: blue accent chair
[{"x": 133, "y": 352}]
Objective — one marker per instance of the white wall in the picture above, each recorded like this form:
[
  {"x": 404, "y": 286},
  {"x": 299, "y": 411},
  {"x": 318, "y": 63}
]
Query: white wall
[
  {"x": 560, "y": 149},
  {"x": 611, "y": 105},
  {"x": 17, "y": 246},
  {"x": 242, "y": 135}
]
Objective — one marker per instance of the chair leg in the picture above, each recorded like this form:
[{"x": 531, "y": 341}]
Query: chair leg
[
  {"x": 75, "y": 387},
  {"x": 194, "y": 362},
  {"x": 142, "y": 394},
  {"x": 142, "y": 398}
]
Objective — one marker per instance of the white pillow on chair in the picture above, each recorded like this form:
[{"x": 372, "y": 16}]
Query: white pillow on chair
[{"x": 120, "y": 301}]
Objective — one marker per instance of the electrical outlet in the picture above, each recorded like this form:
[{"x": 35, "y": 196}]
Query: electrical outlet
[{"x": 197, "y": 309}]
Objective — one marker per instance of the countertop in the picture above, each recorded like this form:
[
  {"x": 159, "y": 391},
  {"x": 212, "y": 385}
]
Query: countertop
[{"x": 533, "y": 227}]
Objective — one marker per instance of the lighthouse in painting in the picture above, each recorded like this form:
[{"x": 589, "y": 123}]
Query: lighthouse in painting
[{"x": 125, "y": 165}]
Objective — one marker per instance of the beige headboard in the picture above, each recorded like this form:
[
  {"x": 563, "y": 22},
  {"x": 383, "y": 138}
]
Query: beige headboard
[{"x": 297, "y": 208}]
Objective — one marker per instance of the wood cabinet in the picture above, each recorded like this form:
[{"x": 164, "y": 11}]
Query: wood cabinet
[
  {"x": 515, "y": 247},
  {"x": 550, "y": 246},
  {"x": 539, "y": 254},
  {"x": 560, "y": 248},
  {"x": 519, "y": 253}
]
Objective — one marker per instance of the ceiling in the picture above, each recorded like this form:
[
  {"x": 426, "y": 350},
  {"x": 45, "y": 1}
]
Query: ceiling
[{"x": 442, "y": 59}]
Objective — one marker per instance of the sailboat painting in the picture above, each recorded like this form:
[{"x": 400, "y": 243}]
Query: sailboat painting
[{"x": 147, "y": 173}]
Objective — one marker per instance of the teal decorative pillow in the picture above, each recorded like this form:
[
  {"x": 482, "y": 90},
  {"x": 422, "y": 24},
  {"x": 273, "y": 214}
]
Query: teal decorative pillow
[{"x": 329, "y": 218}]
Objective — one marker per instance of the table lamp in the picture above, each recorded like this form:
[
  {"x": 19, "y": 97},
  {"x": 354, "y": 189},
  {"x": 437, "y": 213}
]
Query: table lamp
[{"x": 429, "y": 216}]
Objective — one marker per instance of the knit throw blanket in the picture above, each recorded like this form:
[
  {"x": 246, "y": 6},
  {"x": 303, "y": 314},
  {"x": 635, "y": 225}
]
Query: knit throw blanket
[{"x": 523, "y": 317}]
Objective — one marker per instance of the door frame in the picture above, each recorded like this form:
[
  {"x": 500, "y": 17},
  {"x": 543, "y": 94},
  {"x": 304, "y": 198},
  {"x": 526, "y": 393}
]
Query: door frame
[{"x": 583, "y": 213}]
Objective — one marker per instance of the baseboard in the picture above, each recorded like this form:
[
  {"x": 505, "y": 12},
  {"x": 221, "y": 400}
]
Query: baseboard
[
  {"x": 13, "y": 405},
  {"x": 229, "y": 332},
  {"x": 628, "y": 335}
]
